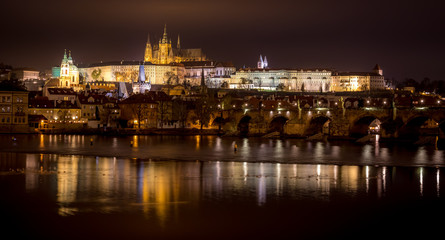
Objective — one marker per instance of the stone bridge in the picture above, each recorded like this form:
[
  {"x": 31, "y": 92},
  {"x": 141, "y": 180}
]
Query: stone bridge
[{"x": 407, "y": 124}]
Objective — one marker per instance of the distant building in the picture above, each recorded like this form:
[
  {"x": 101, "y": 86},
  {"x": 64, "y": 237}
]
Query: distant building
[
  {"x": 55, "y": 111},
  {"x": 359, "y": 81},
  {"x": 215, "y": 73},
  {"x": 13, "y": 111},
  {"x": 5, "y": 72},
  {"x": 60, "y": 94},
  {"x": 304, "y": 80},
  {"x": 23, "y": 74},
  {"x": 140, "y": 111},
  {"x": 91, "y": 105}
]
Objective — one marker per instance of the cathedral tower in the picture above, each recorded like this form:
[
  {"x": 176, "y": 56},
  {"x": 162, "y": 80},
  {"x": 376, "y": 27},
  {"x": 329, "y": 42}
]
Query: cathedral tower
[
  {"x": 165, "y": 47},
  {"x": 260, "y": 62},
  {"x": 265, "y": 63},
  {"x": 148, "y": 56}
]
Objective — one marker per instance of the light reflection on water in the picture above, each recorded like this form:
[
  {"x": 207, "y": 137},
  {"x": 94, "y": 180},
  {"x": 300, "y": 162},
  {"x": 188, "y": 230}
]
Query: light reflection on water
[
  {"x": 161, "y": 195},
  {"x": 211, "y": 148},
  {"x": 156, "y": 188}
]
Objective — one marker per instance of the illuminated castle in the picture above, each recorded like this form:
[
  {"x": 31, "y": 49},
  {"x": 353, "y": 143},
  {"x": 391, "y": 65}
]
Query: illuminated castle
[{"x": 164, "y": 53}]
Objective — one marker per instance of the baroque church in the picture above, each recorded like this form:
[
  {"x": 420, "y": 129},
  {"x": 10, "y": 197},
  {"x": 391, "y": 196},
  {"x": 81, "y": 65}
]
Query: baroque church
[
  {"x": 66, "y": 75},
  {"x": 165, "y": 53}
]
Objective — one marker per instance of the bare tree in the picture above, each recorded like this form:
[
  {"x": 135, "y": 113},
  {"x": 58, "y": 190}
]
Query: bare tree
[
  {"x": 139, "y": 111},
  {"x": 204, "y": 107}
]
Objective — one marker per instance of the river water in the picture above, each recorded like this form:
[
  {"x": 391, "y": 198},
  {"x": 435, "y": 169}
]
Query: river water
[{"x": 169, "y": 187}]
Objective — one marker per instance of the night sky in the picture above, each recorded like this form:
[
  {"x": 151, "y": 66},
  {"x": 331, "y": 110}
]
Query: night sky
[{"x": 404, "y": 38}]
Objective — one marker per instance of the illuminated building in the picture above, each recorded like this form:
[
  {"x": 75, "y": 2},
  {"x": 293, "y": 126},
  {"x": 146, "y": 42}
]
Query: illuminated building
[
  {"x": 165, "y": 53},
  {"x": 358, "y": 81},
  {"x": 55, "y": 111},
  {"x": 215, "y": 73},
  {"x": 128, "y": 71},
  {"x": 69, "y": 74},
  {"x": 23, "y": 74},
  {"x": 305, "y": 80}
]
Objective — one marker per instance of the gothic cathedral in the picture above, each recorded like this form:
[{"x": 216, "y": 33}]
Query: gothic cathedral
[{"x": 164, "y": 53}]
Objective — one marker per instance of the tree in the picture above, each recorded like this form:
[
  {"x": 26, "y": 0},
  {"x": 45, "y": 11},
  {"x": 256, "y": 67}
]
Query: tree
[
  {"x": 164, "y": 111},
  {"x": 171, "y": 78},
  {"x": 96, "y": 74},
  {"x": 63, "y": 115},
  {"x": 245, "y": 81},
  {"x": 204, "y": 107},
  {"x": 12, "y": 85},
  {"x": 140, "y": 111},
  {"x": 105, "y": 115},
  {"x": 327, "y": 86},
  {"x": 179, "y": 110},
  {"x": 227, "y": 102},
  {"x": 364, "y": 87},
  {"x": 280, "y": 87}
]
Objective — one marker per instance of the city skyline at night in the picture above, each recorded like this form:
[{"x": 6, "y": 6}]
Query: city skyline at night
[{"x": 346, "y": 35}]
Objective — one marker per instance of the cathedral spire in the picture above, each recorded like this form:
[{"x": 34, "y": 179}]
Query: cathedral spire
[
  {"x": 260, "y": 62},
  {"x": 148, "y": 56},
  {"x": 64, "y": 55},
  {"x": 164, "y": 37}
]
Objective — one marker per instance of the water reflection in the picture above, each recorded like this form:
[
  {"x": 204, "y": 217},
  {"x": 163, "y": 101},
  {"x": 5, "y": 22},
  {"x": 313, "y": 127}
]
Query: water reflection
[
  {"x": 211, "y": 148},
  {"x": 158, "y": 189}
]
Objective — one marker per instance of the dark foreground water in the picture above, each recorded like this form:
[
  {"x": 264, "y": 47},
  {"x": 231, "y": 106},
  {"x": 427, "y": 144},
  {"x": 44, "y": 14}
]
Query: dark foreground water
[{"x": 62, "y": 187}]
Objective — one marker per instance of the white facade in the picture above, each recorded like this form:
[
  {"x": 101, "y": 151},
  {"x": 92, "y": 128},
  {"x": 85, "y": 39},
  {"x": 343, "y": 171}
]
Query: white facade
[
  {"x": 129, "y": 72},
  {"x": 290, "y": 79}
]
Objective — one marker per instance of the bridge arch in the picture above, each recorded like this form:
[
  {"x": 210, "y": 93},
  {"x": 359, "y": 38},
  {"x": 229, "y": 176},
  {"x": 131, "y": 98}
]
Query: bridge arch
[
  {"x": 318, "y": 124},
  {"x": 365, "y": 125},
  {"x": 243, "y": 125},
  {"x": 277, "y": 124},
  {"x": 417, "y": 126}
]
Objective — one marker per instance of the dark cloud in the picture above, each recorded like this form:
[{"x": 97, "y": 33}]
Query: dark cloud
[{"x": 403, "y": 37}]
